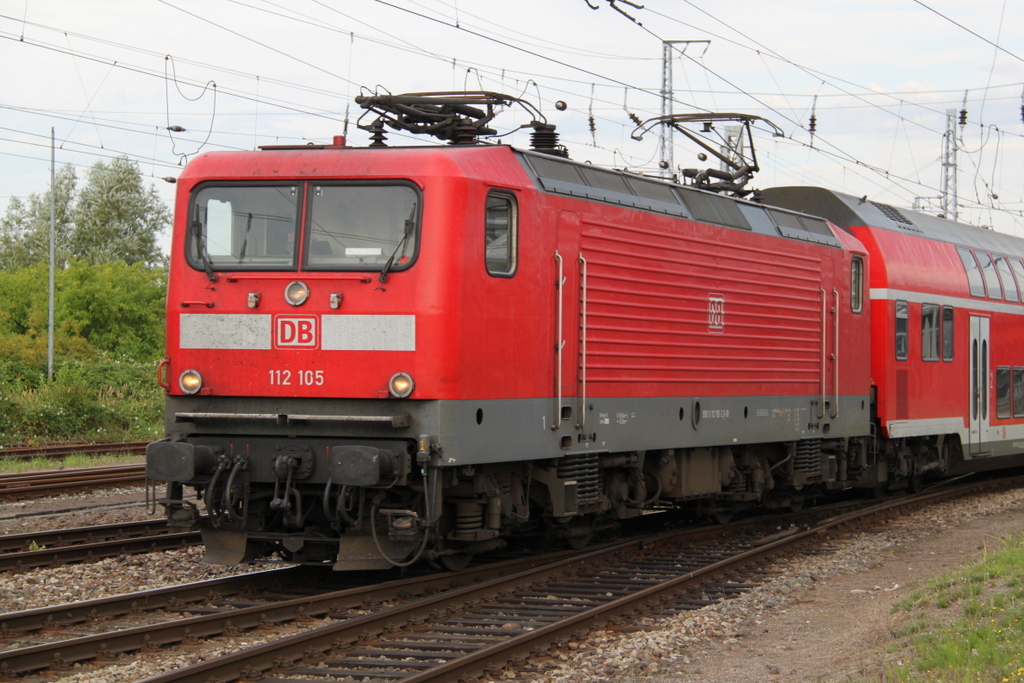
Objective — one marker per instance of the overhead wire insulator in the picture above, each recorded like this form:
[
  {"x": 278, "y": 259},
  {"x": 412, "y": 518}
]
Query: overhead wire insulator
[
  {"x": 638, "y": 121},
  {"x": 813, "y": 124},
  {"x": 590, "y": 117},
  {"x": 963, "y": 111}
]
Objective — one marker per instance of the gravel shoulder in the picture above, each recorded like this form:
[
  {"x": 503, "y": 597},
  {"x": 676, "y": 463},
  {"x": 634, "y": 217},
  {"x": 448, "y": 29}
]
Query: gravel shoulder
[{"x": 825, "y": 619}]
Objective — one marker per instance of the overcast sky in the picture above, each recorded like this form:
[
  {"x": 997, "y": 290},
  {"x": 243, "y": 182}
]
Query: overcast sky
[{"x": 111, "y": 76}]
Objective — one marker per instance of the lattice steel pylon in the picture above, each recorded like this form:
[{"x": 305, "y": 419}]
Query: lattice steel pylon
[
  {"x": 947, "y": 199},
  {"x": 666, "y": 161}
]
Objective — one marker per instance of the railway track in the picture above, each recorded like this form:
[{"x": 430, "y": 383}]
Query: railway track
[
  {"x": 20, "y": 552},
  {"x": 421, "y": 628},
  {"x": 50, "y": 482},
  {"x": 62, "y": 450}
]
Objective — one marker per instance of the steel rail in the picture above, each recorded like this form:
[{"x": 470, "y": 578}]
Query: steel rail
[
  {"x": 281, "y": 655},
  {"x": 66, "y": 449},
  {"x": 45, "y": 482},
  {"x": 65, "y": 652},
  {"x": 88, "y": 544}
]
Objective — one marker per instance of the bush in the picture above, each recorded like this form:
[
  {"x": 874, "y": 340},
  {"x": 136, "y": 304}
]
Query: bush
[
  {"x": 110, "y": 331},
  {"x": 101, "y": 399}
]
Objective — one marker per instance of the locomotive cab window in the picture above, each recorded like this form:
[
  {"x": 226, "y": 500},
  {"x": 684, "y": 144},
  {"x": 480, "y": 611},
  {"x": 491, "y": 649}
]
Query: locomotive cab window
[
  {"x": 902, "y": 320},
  {"x": 857, "y": 284},
  {"x": 500, "y": 234},
  {"x": 930, "y": 331},
  {"x": 250, "y": 227},
  {"x": 362, "y": 227},
  {"x": 973, "y": 272}
]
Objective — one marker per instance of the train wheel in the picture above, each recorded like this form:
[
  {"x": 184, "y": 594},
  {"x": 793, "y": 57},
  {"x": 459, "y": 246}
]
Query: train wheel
[
  {"x": 581, "y": 536},
  {"x": 456, "y": 562},
  {"x": 722, "y": 515},
  {"x": 796, "y": 503}
]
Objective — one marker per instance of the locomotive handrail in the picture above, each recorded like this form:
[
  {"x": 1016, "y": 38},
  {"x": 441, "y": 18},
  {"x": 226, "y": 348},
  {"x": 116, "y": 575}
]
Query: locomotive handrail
[
  {"x": 291, "y": 275},
  {"x": 824, "y": 334},
  {"x": 583, "y": 342},
  {"x": 559, "y": 344},
  {"x": 836, "y": 362},
  {"x": 403, "y": 420}
]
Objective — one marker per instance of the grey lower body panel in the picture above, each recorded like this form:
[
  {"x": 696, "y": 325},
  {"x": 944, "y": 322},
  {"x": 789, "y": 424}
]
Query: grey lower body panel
[{"x": 499, "y": 430}]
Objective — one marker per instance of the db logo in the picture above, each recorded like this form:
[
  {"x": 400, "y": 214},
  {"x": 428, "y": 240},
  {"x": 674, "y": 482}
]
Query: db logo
[
  {"x": 292, "y": 332},
  {"x": 716, "y": 313}
]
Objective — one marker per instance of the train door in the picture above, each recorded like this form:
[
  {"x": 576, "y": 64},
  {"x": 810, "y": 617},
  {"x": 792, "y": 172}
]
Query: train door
[
  {"x": 829, "y": 380},
  {"x": 568, "y": 282},
  {"x": 980, "y": 389}
]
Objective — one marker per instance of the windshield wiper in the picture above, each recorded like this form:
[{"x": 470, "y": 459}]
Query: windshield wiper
[
  {"x": 197, "y": 233},
  {"x": 409, "y": 223},
  {"x": 245, "y": 240}
]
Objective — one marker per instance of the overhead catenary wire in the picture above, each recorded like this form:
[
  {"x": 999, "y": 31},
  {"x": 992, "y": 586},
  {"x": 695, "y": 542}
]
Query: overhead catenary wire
[{"x": 597, "y": 98}]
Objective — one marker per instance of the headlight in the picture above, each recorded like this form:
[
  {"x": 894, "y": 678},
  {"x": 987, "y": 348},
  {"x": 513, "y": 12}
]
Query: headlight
[
  {"x": 401, "y": 385},
  {"x": 190, "y": 381},
  {"x": 296, "y": 293}
]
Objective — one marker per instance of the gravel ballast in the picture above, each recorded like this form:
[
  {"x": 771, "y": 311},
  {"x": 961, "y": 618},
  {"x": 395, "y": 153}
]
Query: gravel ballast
[{"x": 824, "y": 618}]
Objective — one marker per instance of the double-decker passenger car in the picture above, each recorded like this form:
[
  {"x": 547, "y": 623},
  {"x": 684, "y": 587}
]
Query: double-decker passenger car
[{"x": 947, "y": 325}]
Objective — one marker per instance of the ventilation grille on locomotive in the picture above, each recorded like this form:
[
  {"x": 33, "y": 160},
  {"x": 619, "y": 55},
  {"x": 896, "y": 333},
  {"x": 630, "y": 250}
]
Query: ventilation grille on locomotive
[
  {"x": 807, "y": 458},
  {"x": 582, "y": 469}
]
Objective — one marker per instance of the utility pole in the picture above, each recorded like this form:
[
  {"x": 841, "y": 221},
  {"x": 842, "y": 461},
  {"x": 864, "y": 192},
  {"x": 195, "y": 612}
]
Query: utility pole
[
  {"x": 665, "y": 158},
  {"x": 947, "y": 200},
  {"x": 53, "y": 238}
]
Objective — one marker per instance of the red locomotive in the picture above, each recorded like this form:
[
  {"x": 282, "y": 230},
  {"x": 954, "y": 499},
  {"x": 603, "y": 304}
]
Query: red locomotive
[{"x": 383, "y": 355}]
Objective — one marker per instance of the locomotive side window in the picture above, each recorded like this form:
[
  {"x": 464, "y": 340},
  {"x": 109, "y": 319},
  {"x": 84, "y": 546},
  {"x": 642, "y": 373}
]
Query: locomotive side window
[
  {"x": 1009, "y": 284},
  {"x": 902, "y": 319},
  {"x": 1002, "y": 392},
  {"x": 973, "y": 272},
  {"x": 500, "y": 234},
  {"x": 243, "y": 227},
  {"x": 362, "y": 227},
  {"x": 857, "y": 284},
  {"x": 1018, "y": 392},
  {"x": 995, "y": 290},
  {"x": 929, "y": 332},
  {"x": 947, "y": 333}
]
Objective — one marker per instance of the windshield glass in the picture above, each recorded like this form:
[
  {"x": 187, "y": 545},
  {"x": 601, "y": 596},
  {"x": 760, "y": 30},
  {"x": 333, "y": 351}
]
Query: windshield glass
[
  {"x": 361, "y": 227},
  {"x": 244, "y": 227}
]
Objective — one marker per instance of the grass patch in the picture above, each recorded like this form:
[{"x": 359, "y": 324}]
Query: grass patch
[
  {"x": 966, "y": 625},
  {"x": 16, "y": 465}
]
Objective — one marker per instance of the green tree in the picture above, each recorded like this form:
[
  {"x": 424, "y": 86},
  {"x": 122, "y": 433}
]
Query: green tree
[
  {"x": 25, "y": 228},
  {"x": 116, "y": 218},
  {"x": 110, "y": 308},
  {"x": 117, "y": 308},
  {"x": 112, "y": 218}
]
